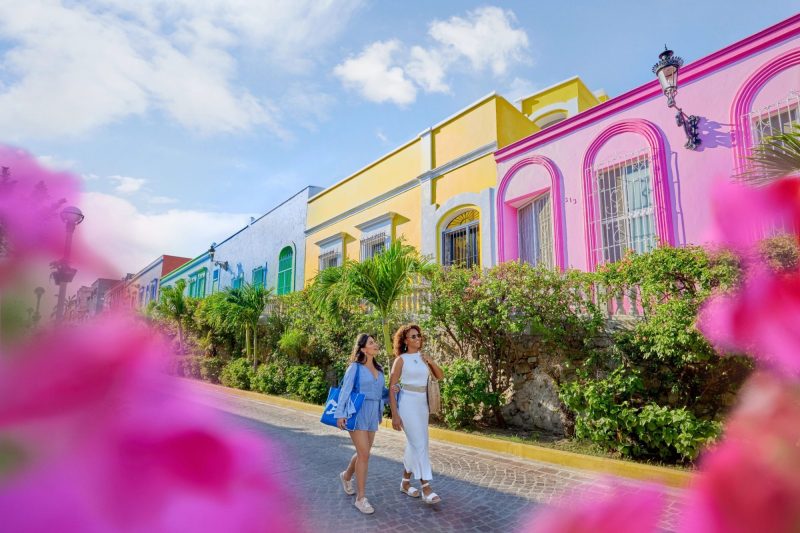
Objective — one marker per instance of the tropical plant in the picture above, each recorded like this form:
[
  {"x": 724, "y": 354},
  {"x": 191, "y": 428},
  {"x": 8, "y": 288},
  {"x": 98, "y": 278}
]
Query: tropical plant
[
  {"x": 776, "y": 157},
  {"x": 238, "y": 310},
  {"x": 380, "y": 281},
  {"x": 173, "y": 305}
]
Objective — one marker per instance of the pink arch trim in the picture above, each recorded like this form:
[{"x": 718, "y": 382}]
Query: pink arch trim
[
  {"x": 660, "y": 184},
  {"x": 559, "y": 248},
  {"x": 744, "y": 98}
]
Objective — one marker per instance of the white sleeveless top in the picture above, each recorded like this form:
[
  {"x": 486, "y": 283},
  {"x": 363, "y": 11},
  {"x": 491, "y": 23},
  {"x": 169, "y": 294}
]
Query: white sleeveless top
[{"x": 415, "y": 371}]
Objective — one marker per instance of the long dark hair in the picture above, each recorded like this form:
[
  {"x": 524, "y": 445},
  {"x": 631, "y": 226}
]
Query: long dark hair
[{"x": 358, "y": 351}]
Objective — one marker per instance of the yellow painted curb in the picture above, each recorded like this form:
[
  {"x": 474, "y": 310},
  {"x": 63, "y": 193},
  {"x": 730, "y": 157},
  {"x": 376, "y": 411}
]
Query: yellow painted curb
[{"x": 658, "y": 474}]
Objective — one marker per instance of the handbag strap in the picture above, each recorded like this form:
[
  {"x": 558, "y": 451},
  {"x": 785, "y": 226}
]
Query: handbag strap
[{"x": 357, "y": 385}]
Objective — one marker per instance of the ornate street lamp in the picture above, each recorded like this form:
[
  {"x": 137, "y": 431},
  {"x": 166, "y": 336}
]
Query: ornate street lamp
[
  {"x": 666, "y": 70},
  {"x": 63, "y": 273},
  {"x": 222, "y": 264}
]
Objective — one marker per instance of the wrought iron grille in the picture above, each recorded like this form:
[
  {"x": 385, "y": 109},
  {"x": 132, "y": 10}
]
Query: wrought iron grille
[
  {"x": 328, "y": 259},
  {"x": 373, "y": 245},
  {"x": 624, "y": 207},
  {"x": 536, "y": 232},
  {"x": 775, "y": 119},
  {"x": 460, "y": 245}
]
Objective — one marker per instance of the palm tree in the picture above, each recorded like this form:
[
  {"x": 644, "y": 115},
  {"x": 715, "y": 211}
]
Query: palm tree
[
  {"x": 244, "y": 307},
  {"x": 776, "y": 157},
  {"x": 172, "y": 304},
  {"x": 380, "y": 281}
]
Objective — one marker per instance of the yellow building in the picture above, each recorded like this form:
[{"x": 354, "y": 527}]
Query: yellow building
[{"x": 437, "y": 191}]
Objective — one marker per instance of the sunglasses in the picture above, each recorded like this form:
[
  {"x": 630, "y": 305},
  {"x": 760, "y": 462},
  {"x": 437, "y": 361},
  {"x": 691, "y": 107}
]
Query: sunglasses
[{"x": 414, "y": 336}]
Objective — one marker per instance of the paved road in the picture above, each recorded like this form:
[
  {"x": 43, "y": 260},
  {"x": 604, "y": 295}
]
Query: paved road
[{"x": 481, "y": 491}]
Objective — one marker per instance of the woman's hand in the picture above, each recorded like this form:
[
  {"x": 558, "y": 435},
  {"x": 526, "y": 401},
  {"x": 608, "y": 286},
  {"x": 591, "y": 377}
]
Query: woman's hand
[
  {"x": 396, "y": 388},
  {"x": 428, "y": 360},
  {"x": 397, "y": 422},
  {"x": 341, "y": 423}
]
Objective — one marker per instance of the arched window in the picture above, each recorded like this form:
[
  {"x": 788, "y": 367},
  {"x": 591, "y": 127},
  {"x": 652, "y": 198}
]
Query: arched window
[
  {"x": 536, "y": 231},
  {"x": 461, "y": 240},
  {"x": 285, "y": 270}
]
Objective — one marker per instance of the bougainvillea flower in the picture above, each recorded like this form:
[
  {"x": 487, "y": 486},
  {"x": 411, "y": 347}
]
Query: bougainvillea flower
[
  {"x": 622, "y": 511},
  {"x": 749, "y": 482},
  {"x": 96, "y": 438},
  {"x": 762, "y": 319},
  {"x": 742, "y": 215},
  {"x": 31, "y": 198}
]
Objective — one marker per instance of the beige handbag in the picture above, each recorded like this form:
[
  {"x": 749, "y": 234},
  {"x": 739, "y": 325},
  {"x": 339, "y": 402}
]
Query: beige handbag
[{"x": 434, "y": 395}]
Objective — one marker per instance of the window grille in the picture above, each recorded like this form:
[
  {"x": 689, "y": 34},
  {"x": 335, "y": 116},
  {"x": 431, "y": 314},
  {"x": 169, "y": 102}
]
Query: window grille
[
  {"x": 328, "y": 260},
  {"x": 461, "y": 240},
  {"x": 624, "y": 203},
  {"x": 536, "y": 232},
  {"x": 373, "y": 245},
  {"x": 774, "y": 119}
]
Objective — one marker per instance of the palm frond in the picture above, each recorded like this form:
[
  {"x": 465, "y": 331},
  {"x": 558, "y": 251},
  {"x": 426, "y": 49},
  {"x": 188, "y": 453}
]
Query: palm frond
[{"x": 776, "y": 157}]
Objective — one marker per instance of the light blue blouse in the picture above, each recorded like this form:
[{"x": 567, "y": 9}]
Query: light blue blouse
[{"x": 370, "y": 386}]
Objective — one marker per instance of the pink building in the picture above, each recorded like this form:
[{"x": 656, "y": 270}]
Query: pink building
[{"x": 618, "y": 176}]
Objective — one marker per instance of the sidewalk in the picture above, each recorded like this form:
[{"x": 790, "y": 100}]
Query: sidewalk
[{"x": 482, "y": 490}]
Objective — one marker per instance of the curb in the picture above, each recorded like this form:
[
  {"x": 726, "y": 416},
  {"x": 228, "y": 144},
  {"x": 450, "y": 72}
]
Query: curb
[{"x": 626, "y": 469}]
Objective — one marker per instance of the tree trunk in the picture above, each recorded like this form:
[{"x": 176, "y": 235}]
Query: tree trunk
[
  {"x": 247, "y": 342},
  {"x": 255, "y": 346},
  {"x": 180, "y": 337},
  {"x": 387, "y": 338}
]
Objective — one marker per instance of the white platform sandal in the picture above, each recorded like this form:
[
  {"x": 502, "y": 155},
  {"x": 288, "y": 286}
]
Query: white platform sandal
[
  {"x": 431, "y": 498},
  {"x": 411, "y": 491}
]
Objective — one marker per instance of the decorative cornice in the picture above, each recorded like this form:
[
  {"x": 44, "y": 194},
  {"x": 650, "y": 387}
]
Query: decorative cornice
[
  {"x": 460, "y": 161},
  {"x": 702, "y": 67},
  {"x": 340, "y": 236},
  {"x": 377, "y": 221},
  {"x": 366, "y": 205}
]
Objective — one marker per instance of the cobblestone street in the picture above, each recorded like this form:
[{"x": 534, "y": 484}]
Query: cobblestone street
[{"x": 481, "y": 491}]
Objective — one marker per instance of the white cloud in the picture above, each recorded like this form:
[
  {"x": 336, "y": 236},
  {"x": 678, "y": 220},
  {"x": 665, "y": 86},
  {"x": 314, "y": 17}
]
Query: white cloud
[
  {"x": 520, "y": 88},
  {"x": 55, "y": 163},
  {"x": 127, "y": 184},
  {"x": 162, "y": 200},
  {"x": 381, "y": 136},
  {"x": 74, "y": 67},
  {"x": 372, "y": 73},
  {"x": 427, "y": 68},
  {"x": 129, "y": 239},
  {"x": 390, "y": 71},
  {"x": 485, "y": 37}
]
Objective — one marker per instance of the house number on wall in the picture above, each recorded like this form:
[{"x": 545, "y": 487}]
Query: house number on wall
[{"x": 570, "y": 200}]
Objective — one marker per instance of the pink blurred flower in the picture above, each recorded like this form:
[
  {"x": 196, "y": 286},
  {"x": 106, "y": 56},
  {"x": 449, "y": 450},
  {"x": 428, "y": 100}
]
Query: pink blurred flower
[
  {"x": 750, "y": 482},
  {"x": 762, "y": 319},
  {"x": 107, "y": 442},
  {"x": 30, "y": 202},
  {"x": 622, "y": 511},
  {"x": 743, "y": 214}
]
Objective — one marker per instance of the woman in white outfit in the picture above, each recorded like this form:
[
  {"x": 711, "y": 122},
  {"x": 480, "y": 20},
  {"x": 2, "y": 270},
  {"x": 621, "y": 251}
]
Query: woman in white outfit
[{"x": 410, "y": 408}]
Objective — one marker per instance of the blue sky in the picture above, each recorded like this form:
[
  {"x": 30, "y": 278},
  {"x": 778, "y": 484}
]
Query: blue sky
[{"x": 185, "y": 117}]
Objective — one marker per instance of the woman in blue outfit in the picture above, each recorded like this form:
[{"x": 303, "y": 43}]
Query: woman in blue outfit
[{"x": 371, "y": 382}]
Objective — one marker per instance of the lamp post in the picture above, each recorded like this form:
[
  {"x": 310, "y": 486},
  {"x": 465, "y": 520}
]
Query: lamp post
[
  {"x": 666, "y": 70},
  {"x": 222, "y": 264},
  {"x": 63, "y": 273},
  {"x": 39, "y": 292}
]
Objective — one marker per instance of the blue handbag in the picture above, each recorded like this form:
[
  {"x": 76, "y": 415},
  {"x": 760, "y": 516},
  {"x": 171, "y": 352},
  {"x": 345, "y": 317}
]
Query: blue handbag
[{"x": 356, "y": 397}]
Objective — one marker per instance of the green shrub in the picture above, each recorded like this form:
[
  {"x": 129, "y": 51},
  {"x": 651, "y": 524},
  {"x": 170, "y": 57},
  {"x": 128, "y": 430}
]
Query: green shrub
[
  {"x": 465, "y": 391},
  {"x": 307, "y": 382},
  {"x": 294, "y": 343},
  {"x": 270, "y": 379},
  {"x": 609, "y": 413},
  {"x": 210, "y": 368},
  {"x": 237, "y": 374}
]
